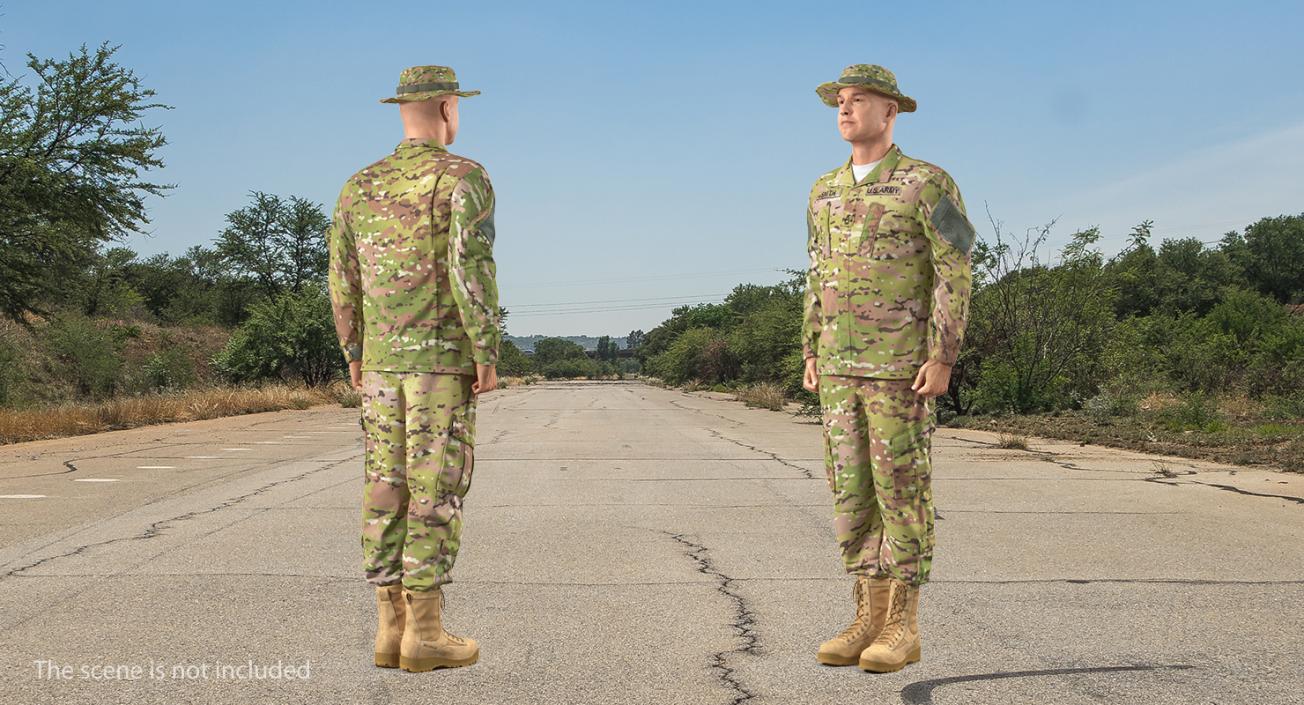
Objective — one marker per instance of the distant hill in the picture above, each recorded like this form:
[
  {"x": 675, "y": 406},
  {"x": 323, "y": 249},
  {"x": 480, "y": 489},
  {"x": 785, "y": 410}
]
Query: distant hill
[{"x": 587, "y": 342}]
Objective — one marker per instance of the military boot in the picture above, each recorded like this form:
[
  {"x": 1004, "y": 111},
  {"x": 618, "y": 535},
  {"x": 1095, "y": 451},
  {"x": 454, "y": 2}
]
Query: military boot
[
  {"x": 870, "y": 596},
  {"x": 389, "y": 631},
  {"x": 898, "y": 643},
  {"x": 425, "y": 644}
]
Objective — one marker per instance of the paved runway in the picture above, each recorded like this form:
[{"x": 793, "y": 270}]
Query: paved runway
[{"x": 630, "y": 544}]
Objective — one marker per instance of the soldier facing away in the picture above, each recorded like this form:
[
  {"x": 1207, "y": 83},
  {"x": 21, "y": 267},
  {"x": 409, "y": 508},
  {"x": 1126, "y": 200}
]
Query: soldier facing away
[
  {"x": 887, "y": 297},
  {"x": 412, "y": 286}
]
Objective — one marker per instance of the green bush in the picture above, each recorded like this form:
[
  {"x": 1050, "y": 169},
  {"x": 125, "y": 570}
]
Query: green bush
[
  {"x": 168, "y": 369},
  {"x": 1195, "y": 412},
  {"x": 1284, "y": 407},
  {"x": 512, "y": 362},
  {"x": 89, "y": 356},
  {"x": 11, "y": 374},
  {"x": 698, "y": 354},
  {"x": 570, "y": 368},
  {"x": 292, "y": 335}
]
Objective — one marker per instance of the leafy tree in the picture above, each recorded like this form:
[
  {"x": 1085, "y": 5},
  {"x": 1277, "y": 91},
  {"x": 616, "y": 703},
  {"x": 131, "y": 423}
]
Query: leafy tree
[
  {"x": 71, "y": 154},
  {"x": 280, "y": 245},
  {"x": 512, "y": 362},
  {"x": 550, "y": 350},
  {"x": 1272, "y": 256}
]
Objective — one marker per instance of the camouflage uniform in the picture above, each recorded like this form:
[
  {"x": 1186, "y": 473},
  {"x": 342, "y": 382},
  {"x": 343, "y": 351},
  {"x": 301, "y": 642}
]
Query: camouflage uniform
[
  {"x": 888, "y": 288},
  {"x": 412, "y": 282}
]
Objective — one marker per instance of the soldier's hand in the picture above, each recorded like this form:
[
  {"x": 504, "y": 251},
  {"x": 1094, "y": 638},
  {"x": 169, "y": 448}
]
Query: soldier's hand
[
  {"x": 811, "y": 379},
  {"x": 486, "y": 379},
  {"x": 355, "y": 375},
  {"x": 934, "y": 379}
]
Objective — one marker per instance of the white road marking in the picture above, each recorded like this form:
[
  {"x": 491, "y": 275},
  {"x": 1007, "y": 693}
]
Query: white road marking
[
  {"x": 293, "y": 436},
  {"x": 205, "y": 457},
  {"x": 21, "y": 496},
  {"x": 269, "y": 443}
]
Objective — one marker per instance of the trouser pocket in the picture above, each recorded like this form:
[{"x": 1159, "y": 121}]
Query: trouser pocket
[{"x": 459, "y": 451}]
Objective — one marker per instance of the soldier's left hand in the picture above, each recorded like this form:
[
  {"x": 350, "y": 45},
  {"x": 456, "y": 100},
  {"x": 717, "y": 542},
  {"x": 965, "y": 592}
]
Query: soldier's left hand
[{"x": 934, "y": 379}]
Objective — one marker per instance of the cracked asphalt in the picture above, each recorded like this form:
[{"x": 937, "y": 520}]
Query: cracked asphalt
[{"x": 630, "y": 544}]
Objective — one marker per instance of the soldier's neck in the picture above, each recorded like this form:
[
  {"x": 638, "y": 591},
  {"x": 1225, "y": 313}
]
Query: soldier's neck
[{"x": 871, "y": 150}]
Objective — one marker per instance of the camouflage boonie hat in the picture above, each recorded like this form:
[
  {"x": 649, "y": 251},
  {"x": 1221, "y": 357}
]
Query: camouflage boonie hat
[
  {"x": 425, "y": 82},
  {"x": 870, "y": 77}
]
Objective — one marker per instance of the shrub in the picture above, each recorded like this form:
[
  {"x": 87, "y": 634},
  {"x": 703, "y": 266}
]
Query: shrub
[
  {"x": 1195, "y": 412},
  {"x": 169, "y": 368},
  {"x": 512, "y": 362},
  {"x": 765, "y": 395},
  {"x": 88, "y": 355},
  {"x": 291, "y": 335},
  {"x": 570, "y": 368}
]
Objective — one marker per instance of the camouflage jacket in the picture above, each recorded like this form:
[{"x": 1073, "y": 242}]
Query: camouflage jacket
[
  {"x": 412, "y": 275},
  {"x": 890, "y": 275}
]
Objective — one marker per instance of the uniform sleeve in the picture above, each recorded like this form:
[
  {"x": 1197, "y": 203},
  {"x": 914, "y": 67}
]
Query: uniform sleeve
[
  {"x": 812, "y": 315},
  {"x": 471, "y": 264},
  {"x": 950, "y": 239},
  {"x": 345, "y": 280}
]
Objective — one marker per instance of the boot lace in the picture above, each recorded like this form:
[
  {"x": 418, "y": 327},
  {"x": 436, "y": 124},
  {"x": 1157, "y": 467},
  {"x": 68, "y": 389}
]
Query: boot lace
[
  {"x": 447, "y": 634},
  {"x": 894, "y": 628},
  {"x": 857, "y": 628}
]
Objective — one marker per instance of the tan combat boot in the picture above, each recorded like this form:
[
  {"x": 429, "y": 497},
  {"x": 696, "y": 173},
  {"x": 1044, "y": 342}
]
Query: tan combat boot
[
  {"x": 870, "y": 596},
  {"x": 898, "y": 644},
  {"x": 425, "y": 644},
  {"x": 389, "y": 631}
]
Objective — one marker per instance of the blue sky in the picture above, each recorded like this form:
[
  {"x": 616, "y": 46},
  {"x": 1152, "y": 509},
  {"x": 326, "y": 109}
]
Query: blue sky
[{"x": 645, "y": 154}]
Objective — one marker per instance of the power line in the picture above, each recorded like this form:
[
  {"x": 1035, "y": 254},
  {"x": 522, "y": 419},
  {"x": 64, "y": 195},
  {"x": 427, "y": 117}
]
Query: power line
[
  {"x": 614, "y": 301},
  {"x": 530, "y": 314},
  {"x": 653, "y": 277}
]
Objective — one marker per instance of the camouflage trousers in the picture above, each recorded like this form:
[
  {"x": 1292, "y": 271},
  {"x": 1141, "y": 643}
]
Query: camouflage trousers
[
  {"x": 419, "y": 430},
  {"x": 877, "y": 438}
]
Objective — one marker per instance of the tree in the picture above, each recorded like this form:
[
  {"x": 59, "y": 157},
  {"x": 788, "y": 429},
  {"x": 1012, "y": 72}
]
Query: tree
[
  {"x": 71, "y": 153},
  {"x": 607, "y": 349},
  {"x": 550, "y": 350},
  {"x": 634, "y": 340},
  {"x": 280, "y": 245},
  {"x": 1272, "y": 255}
]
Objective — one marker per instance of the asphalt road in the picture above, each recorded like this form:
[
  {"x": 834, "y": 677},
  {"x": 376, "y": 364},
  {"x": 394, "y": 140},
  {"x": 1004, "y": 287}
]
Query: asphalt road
[{"x": 629, "y": 544}]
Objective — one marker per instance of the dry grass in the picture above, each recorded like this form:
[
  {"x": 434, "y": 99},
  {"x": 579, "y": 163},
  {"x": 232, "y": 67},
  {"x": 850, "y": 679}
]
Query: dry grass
[
  {"x": 764, "y": 395},
  {"x": 17, "y": 426},
  {"x": 1158, "y": 401},
  {"x": 509, "y": 382},
  {"x": 1012, "y": 441},
  {"x": 1241, "y": 408}
]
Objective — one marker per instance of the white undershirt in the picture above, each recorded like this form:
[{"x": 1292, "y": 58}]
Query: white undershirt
[{"x": 860, "y": 170}]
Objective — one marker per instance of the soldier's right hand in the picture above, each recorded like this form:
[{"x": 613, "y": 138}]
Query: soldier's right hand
[
  {"x": 811, "y": 379},
  {"x": 355, "y": 375},
  {"x": 486, "y": 379}
]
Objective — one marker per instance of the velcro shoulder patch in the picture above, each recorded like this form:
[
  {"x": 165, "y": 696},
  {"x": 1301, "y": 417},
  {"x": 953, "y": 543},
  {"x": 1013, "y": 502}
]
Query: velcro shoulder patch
[
  {"x": 952, "y": 225},
  {"x": 486, "y": 228}
]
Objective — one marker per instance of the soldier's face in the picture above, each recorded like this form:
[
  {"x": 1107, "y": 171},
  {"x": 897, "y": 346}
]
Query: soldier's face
[{"x": 863, "y": 115}]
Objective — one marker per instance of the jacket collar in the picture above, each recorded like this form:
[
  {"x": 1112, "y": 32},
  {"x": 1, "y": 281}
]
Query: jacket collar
[
  {"x": 880, "y": 173},
  {"x": 420, "y": 142}
]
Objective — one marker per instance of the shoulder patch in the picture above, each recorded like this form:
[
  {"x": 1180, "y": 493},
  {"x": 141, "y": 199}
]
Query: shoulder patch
[
  {"x": 952, "y": 225},
  {"x": 486, "y": 228}
]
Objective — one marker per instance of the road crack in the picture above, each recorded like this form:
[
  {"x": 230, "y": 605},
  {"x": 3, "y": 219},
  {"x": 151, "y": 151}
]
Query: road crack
[
  {"x": 804, "y": 471},
  {"x": 156, "y": 528},
  {"x": 743, "y": 622}
]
